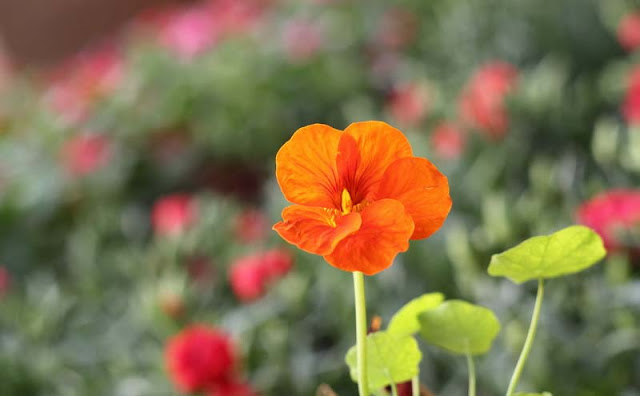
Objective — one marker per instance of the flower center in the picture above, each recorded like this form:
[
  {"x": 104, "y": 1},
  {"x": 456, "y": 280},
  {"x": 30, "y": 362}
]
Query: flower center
[{"x": 347, "y": 203}]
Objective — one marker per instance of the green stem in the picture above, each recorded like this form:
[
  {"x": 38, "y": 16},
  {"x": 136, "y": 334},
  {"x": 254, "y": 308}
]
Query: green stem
[
  {"x": 472, "y": 375},
  {"x": 529, "y": 341},
  {"x": 394, "y": 389},
  {"x": 415, "y": 386},
  {"x": 361, "y": 332}
]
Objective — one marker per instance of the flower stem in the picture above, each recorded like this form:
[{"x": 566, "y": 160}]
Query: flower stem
[
  {"x": 361, "y": 332},
  {"x": 529, "y": 341},
  {"x": 472, "y": 375},
  {"x": 415, "y": 386}
]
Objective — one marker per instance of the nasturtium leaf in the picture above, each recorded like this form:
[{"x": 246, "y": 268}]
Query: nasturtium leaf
[
  {"x": 460, "y": 327},
  {"x": 564, "y": 252},
  {"x": 405, "y": 321},
  {"x": 390, "y": 359},
  {"x": 534, "y": 394}
]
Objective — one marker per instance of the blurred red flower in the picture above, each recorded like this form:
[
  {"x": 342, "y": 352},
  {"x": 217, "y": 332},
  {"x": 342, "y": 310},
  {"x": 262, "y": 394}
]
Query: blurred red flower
[
  {"x": 409, "y": 103},
  {"x": 277, "y": 263},
  {"x": 448, "y": 140},
  {"x": 397, "y": 28},
  {"x": 172, "y": 215},
  {"x": 612, "y": 214},
  {"x": 251, "y": 226},
  {"x": 482, "y": 100},
  {"x": 86, "y": 153},
  {"x": 629, "y": 31},
  {"x": 79, "y": 82},
  {"x": 199, "y": 358},
  {"x": 5, "y": 281},
  {"x": 302, "y": 39},
  {"x": 631, "y": 105},
  {"x": 250, "y": 275},
  {"x": 248, "y": 278},
  {"x": 232, "y": 388}
]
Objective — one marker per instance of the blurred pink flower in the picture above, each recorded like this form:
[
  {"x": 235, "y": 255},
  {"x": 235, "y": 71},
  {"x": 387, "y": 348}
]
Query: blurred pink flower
[
  {"x": 631, "y": 104},
  {"x": 611, "y": 214},
  {"x": 448, "y": 140},
  {"x": 409, "y": 103},
  {"x": 629, "y": 31},
  {"x": 190, "y": 31},
  {"x": 302, "y": 39},
  {"x": 199, "y": 358},
  {"x": 79, "y": 82},
  {"x": 251, "y": 226},
  {"x": 86, "y": 153},
  {"x": 250, "y": 275},
  {"x": 173, "y": 214},
  {"x": 482, "y": 100},
  {"x": 5, "y": 281},
  {"x": 248, "y": 278},
  {"x": 397, "y": 28}
]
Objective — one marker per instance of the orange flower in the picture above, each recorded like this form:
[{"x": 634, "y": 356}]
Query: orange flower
[{"x": 359, "y": 194}]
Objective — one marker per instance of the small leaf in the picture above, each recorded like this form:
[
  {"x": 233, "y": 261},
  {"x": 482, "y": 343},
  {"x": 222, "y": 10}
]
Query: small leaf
[
  {"x": 405, "y": 321},
  {"x": 567, "y": 251},
  {"x": 460, "y": 327},
  {"x": 390, "y": 359},
  {"x": 534, "y": 394}
]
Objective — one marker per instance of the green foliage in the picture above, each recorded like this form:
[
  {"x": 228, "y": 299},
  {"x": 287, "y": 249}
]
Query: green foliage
[
  {"x": 405, "y": 320},
  {"x": 391, "y": 359},
  {"x": 460, "y": 327},
  {"x": 533, "y": 394},
  {"x": 567, "y": 251}
]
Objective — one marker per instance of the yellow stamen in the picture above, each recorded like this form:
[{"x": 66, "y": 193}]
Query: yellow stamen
[{"x": 347, "y": 204}]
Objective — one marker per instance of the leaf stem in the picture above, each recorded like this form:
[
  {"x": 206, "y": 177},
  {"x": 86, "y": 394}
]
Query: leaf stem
[
  {"x": 472, "y": 375},
  {"x": 415, "y": 385},
  {"x": 361, "y": 332},
  {"x": 529, "y": 340}
]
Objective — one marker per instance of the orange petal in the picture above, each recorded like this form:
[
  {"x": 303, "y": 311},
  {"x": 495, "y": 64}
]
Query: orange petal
[
  {"x": 423, "y": 191},
  {"x": 306, "y": 167},
  {"x": 316, "y": 230},
  {"x": 378, "y": 145},
  {"x": 385, "y": 231}
]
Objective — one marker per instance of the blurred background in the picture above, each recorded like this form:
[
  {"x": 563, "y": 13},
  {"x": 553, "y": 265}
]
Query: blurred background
[{"x": 137, "y": 190}]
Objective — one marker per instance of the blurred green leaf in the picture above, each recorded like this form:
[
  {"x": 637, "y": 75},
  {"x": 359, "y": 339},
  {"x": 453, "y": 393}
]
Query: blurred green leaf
[
  {"x": 405, "y": 321},
  {"x": 567, "y": 251},
  {"x": 460, "y": 327},
  {"x": 390, "y": 359},
  {"x": 534, "y": 394}
]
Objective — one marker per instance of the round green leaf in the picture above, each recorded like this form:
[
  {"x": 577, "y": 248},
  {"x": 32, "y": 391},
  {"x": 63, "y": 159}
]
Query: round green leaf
[
  {"x": 460, "y": 327},
  {"x": 390, "y": 359},
  {"x": 567, "y": 251},
  {"x": 405, "y": 321}
]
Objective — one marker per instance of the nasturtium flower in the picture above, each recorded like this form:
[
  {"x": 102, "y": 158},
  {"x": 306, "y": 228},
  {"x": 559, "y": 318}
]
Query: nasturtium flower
[{"x": 359, "y": 195}]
